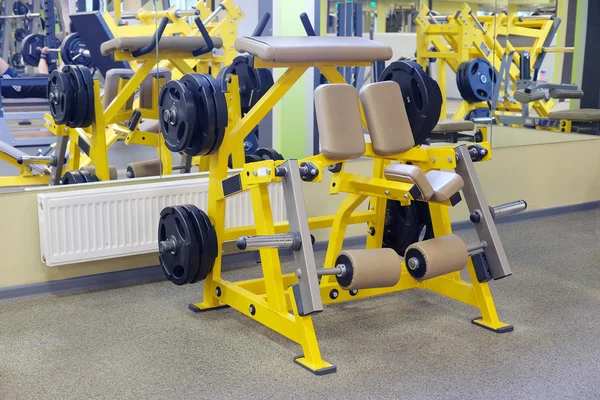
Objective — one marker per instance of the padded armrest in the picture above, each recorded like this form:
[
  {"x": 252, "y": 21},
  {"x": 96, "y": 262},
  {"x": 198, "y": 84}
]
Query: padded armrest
[
  {"x": 523, "y": 97},
  {"x": 410, "y": 174},
  {"x": 292, "y": 49},
  {"x": 167, "y": 43},
  {"x": 566, "y": 94}
]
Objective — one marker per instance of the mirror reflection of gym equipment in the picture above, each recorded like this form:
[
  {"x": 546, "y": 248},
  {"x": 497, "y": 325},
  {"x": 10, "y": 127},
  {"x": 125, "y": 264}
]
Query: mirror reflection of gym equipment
[{"x": 252, "y": 194}]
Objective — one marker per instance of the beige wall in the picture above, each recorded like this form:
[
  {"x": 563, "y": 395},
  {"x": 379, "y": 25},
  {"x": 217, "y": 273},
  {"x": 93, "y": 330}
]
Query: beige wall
[{"x": 546, "y": 175}]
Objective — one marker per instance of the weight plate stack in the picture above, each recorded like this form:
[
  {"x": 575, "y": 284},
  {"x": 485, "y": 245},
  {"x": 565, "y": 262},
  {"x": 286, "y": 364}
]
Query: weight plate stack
[
  {"x": 88, "y": 80},
  {"x": 61, "y": 96},
  {"x": 187, "y": 244},
  {"x": 178, "y": 119},
  {"x": 404, "y": 224},
  {"x": 221, "y": 118},
  {"x": 203, "y": 138},
  {"x": 81, "y": 105},
  {"x": 422, "y": 97},
  {"x": 475, "y": 80}
]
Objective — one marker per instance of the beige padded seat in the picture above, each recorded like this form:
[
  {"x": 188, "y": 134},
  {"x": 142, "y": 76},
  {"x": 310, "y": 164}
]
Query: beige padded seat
[
  {"x": 580, "y": 115},
  {"x": 452, "y": 126},
  {"x": 172, "y": 43},
  {"x": 444, "y": 184},
  {"x": 410, "y": 174},
  {"x": 566, "y": 94},
  {"x": 149, "y": 125},
  {"x": 386, "y": 117},
  {"x": 338, "y": 118},
  {"x": 525, "y": 98},
  {"x": 313, "y": 49},
  {"x": 148, "y": 85},
  {"x": 111, "y": 86}
]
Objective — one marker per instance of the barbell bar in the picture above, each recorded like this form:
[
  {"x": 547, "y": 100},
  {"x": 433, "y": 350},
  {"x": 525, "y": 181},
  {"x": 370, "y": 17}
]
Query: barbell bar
[{"x": 21, "y": 16}]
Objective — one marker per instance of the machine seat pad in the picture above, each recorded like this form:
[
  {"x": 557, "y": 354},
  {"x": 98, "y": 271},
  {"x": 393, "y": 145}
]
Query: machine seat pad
[
  {"x": 314, "y": 49},
  {"x": 167, "y": 43},
  {"x": 452, "y": 126},
  {"x": 566, "y": 94},
  {"x": 578, "y": 115},
  {"x": 525, "y": 98},
  {"x": 410, "y": 174},
  {"x": 444, "y": 184}
]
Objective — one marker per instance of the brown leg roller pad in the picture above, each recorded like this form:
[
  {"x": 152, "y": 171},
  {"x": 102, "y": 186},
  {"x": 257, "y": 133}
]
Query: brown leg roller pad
[
  {"x": 369, "y": 268},
  {"x": 436, "y": 257},
  {"x": 143, "y": 168},
  {"x": 111, "y": 170}
]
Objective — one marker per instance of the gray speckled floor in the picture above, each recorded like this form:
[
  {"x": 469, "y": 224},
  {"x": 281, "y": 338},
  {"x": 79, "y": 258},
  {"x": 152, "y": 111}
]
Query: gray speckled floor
[{"x": 141, "y": 342}]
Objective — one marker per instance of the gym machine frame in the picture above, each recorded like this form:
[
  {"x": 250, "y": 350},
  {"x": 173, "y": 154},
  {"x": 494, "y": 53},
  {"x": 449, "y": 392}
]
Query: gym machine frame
[
  {"x": 272, "y": 299},
  {"x": 464, "y": 36},
  {"x": 94, "y": 141}
]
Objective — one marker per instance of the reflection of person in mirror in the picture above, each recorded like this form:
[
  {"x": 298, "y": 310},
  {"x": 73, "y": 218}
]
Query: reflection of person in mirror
[
  {"x": 22, "y": 92},
  {"x": 543, "y": 77}
]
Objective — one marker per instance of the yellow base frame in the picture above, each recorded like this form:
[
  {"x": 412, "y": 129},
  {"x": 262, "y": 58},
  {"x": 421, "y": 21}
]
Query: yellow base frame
[{"x": 270, "y": 300}]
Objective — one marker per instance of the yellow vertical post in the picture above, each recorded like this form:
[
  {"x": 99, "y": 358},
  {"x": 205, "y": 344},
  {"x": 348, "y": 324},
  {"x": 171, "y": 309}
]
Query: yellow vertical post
[
  {"x": 442, "y": 71},
  {"x": 263, "y": 219}
]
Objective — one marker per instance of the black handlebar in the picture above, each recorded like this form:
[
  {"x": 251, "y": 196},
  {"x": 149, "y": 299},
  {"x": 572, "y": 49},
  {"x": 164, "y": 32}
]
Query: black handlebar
[
  {"x": 310, "y": 31},
  {"x": 155, "y": 39},
  {"x": 209, "y": 43},
  {"x": 262, "y": 24}
]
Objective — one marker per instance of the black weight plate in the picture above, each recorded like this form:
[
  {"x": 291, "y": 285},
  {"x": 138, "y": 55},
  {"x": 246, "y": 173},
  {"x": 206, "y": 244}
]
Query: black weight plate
[
  {"x": 265, "y": 80},
  {"x": 88, "y": 80},
  {"x": 181, "y": 265},
  {"x": 401, "y": 227},
  {"x": 250, "y": 158},
  {"x": 71, "y": 51},
  {"x": 208, "y": 242},
  {"x": 72, "y": 178},
  {"x": 478, "y": 113},
  {"x": 268, "y": 154},
  {"x": 20, "y": 34},
  {"x": 248, "y": 79},
  {"x": 416, "y": 91},
  {"x": 204, "y": 138},
  {"x": 80, "y": 106},
  {"x": 61, "y": 96},
  {"x": 20, "y": 8},
  {"x": 436, "y": 108},
  {"x": 88, "y": 177},
  {"x": 177, "y": 111},
  {"x": 221, "y": 112},
  {"x": 31, "y": 56}
]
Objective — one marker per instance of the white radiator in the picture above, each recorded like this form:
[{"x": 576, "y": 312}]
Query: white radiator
[{"x": 102, "y": 223}]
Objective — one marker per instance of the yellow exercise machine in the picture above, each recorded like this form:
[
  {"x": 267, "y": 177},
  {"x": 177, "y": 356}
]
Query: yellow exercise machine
[
  {"x": 463, "y": 40},
  {"x": 191, "y": 241},
  {"x": 117, "y": 114}
]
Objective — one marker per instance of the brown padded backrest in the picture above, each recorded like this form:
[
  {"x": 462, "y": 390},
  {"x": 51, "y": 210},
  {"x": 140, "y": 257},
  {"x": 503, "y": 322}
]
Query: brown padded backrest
[
  {"x": 386, "y": 117},
  {"x": 340, "y": 125},
  {"x": 111, "y": 86}
]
